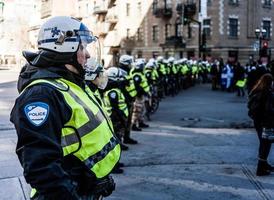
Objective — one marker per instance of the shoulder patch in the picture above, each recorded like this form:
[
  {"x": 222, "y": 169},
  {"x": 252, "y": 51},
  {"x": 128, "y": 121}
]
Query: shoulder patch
[
  {"x": 136, "y": 78},
  {"x": 113, "y": 95},
  {"x": 37, "y": 112}
]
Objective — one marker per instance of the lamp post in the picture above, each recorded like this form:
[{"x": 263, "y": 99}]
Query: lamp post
[{"x": 260, "y": 34}]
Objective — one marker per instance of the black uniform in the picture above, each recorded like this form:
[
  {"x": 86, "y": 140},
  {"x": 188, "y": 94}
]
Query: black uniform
[{"x": 38, "y": 148}]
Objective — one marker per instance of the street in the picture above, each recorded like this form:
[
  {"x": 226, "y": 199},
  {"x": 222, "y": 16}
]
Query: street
[{"x": 199, "y": 146}]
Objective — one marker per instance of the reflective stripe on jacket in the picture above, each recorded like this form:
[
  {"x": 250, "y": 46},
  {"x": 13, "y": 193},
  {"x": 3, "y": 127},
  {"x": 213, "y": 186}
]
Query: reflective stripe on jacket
[
  {"x": 130, "y": 88},
  {"x": 88, "y": 134}
]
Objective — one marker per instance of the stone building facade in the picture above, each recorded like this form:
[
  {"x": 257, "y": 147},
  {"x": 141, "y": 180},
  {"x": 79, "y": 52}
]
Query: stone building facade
[
  {"x": 231, "y": 25},
  {"x": 149, "y": 28}
]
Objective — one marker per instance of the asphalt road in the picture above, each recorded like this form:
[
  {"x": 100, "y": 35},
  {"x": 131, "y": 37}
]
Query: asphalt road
[{"x": 196, "y": 149}]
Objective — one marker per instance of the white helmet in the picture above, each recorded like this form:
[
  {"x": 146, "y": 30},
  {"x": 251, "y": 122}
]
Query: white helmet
[
  {"x": 63, "y": 34},
  {"x": 116, "y": 74},
  {"x": 150, "y": 65},
  {"x": 139, "y": 64},
  {"x": 160, "y": 59},
  {"x": 171, "y": 59},
  {"x": 126, "y": 60}
]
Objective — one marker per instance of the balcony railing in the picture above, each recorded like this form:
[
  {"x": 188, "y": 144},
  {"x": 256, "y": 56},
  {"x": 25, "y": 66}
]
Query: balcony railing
[
  {"x": 190, "y": 9},
  {"x": 112, "y": 16},
  {"x": 162, "y": 10},
  {"x": 102, "y": 29},
  {"x": 111, "y": 3},
  {"x": 129, "y": 42},
  {"x": 100, "y": 9},
  {"x": 174, "y": 41}
]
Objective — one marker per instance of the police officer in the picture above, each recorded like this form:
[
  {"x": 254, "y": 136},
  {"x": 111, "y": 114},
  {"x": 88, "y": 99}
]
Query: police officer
[
  {"x": 129, "y": 91},
  {"x": 96, "y": 79},
  {"x": 66, "y": 143},
  {"x": 142, "y": 89}
]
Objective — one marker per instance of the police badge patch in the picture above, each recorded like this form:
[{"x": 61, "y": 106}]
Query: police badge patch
[{"x": 37, "y": 112}]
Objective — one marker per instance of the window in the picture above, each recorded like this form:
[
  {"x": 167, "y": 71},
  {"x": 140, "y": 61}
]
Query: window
[
  {"x": 168, "y": 4},
  {"x": 154, "y": 6},
  {"x": 233, "y": 27},
  {"x": 189, "y": 32},
  {"x": 139, "y": 34},
  {"x": 207, "y": 27},
  {"x": 209, "y": 2},
  {"x": 233, "y": 2},
  {"x": 1, "y": 8},
  {"x": 127, "y": 9},
  {"x": 267, "y": 27},
  {"x": 179, "y": 28},
  {"x": 267, "y": 2},
  {"x": 233, "y": 55},
  {"x": 167, "y": 30},
  {"x": 139, "y": 54},
  {"x": 139, "y": 6},
  {"x": 155, "y": 33},
  {"x": 128, "y": 33}
]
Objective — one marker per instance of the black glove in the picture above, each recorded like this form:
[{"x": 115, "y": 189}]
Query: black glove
[{"x": 105, "y": 187}]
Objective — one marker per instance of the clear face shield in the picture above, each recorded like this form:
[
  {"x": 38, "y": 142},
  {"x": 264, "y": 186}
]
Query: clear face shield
[
  {"x": 89, "y": 48},
  {"x": 122, "y": 75},
  {"x": 95, "y": 72}
]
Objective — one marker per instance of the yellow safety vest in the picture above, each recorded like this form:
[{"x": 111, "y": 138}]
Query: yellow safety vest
[
  {"x": 152, "y": 71},
  {"x": 143, "y": 83},
  {"x": 162, "y": 69},
  {"x": 241, "y": 83},
  {"x": 131, "y": 87},
  {"x": 174, "y": 69},
  {"x": 121, "y": 101},
  {"x": 194, "y": 69},
  {"x": 184, "y": 69},
  {"x": 88, "y": 135}
]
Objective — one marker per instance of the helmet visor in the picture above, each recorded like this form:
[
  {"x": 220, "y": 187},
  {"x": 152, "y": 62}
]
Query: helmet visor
[
  {"x": 122, "y": 74},
  {"x": 91, "y": 51}
]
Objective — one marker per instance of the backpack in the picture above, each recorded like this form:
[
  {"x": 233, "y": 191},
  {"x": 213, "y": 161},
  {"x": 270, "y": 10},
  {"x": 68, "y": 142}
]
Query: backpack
[{"x": 255, "y": 105}]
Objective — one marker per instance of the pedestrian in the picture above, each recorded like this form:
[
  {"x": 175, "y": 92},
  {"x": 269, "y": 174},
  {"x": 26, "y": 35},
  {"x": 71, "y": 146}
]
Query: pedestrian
[
  {"x": 261, "y": 110},
  {"x": 66, "y": 144},
  {"x": 214, "y": 76},
  {"x": 239, "y": 79}
]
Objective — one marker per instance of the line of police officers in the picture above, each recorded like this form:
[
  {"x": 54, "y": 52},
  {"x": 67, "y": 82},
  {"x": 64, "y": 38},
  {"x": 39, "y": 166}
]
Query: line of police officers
[{"x": 71, "y": 122}]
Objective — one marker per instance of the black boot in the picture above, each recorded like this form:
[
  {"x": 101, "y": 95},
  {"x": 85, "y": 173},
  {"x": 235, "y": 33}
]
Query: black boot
[
  {"x": 143, "y": 125},
  {"x": 120, "y": 164},
  {"x": 270, "y": 167},
  {"x": 130, "y": 141},
  {"x": 117, "y": 169},
  {"x": 123, "y": 147},
  {"x": 262, "y": 168},
  {"x": 135, "y": 128}
]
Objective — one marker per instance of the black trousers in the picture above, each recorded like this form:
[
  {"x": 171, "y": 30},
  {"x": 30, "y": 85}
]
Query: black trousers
[{"x": 264, "y": 145}]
